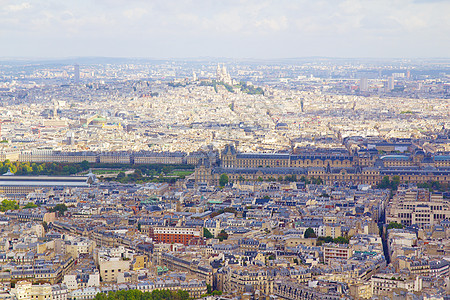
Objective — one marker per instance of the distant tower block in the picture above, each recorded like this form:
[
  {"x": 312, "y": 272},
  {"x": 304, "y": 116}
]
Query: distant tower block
[
  {"x": 70, "y": 138},
  {"x": 301, "y": 105},
  {"x": 55, "y": 109},
  {"x": 76, "y": 73},
  {"x": 391, "y": 83},
  {"x": 363, "y": 85},
  {"x": 194, "y": 76}
]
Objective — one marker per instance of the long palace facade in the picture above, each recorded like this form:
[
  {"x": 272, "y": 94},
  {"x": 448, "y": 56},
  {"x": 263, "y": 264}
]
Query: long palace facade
[{"x": 331, "y": 166}]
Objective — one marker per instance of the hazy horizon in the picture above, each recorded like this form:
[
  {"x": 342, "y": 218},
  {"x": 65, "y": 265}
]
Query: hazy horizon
[{"x": 235, "y": 29}]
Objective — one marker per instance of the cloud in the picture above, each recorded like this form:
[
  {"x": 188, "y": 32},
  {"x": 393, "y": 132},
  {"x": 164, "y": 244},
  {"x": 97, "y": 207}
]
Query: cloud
[
  {"x": 242, "y": 28},
  {"x": 135, "y": 13},
  {"x": 17, "y": 7}
]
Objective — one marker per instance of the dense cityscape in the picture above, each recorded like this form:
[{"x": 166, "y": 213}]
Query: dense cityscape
[{"x": 225, "y": 179}]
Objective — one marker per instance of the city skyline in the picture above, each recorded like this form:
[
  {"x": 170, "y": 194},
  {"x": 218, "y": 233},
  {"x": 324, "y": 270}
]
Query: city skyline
[{"x": 234, "y": 29}]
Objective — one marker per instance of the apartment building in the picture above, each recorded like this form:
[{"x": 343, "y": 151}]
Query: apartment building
[
  {"x": 419, "y": 207},
  {"x": 169, "y": 235},
  {"x": 333, "y": 251}
]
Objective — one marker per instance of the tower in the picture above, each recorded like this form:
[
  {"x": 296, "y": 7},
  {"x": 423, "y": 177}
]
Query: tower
[
  {"x": 55, "y": 109},
  {"x": 363, "y": 85},
  {"x": 70, "y": 138},
  {"x": 76, "y": 73},
  {"x": 391, "y": 83}
]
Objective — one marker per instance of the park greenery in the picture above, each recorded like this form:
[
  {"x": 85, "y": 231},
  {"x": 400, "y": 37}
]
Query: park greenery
[
  {"x": 222, "y": 235},
  {"x": 59, "y": 208},
  {"x": 395, "y": 225},
  {"x": 176, "y": 84},
  {"x": 6, "y": 205},
  {"x": 223, "y": 180},
  {"x": 30, "y": 205},
  {"x": 142, "y": 173},
  {"x": 153, "y": 173},
  {"x": 249, "y": 89},
  {"x": 210, "y": 292},
  {"x": 386, "y": 183},
  {"x": 215, "y": 83},
  {"x": 328, "y": 239},
  {"x": 207, "y": 234},
  {"x": 138, "y": 295},
  {"x": 435, "y": 186},
  {"x": 242, "y": 86},
  {"x": 27, "y": 168},
  {"x": 309, "y": 233}
]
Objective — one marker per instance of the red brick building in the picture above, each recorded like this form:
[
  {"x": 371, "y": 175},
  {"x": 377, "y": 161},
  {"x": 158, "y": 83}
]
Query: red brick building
[{"x": 180, "y": 235}]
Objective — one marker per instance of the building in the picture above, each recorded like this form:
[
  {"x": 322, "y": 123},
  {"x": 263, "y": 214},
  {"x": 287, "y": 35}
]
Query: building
[
  {"x": 27, "y": 184},
  {"x": 32, "y": 215},
  {"x": 418, "y": 207},
  {"x": 363, "y": 85},
  {"x": 111, "y": 267},
  {"x": 204, "y": 272},
  {"x": 238, "y": 278},
  {"x": 181, "y": 235},
  {"x": 385, "y": 284},
  {"x": 76, "y": 74},
  {"x": 120, "y": 157},
  {"x": 223, "y": 75},
  {"x": 79, "y": 246},
  {"x": 333, "y": 252},
  {"x": 146, "y": 157},
  {"x": 330, "y": 167},
  {"x": 391, "y": 83},
  {"x": 25, "y": 290}
]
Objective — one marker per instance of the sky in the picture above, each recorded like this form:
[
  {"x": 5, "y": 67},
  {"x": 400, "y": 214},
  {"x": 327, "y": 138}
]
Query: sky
[{"x": 262, "y": 29}]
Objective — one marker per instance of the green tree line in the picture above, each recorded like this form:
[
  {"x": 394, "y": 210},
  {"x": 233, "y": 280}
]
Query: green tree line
[
  {"x": 49, "y": 168},
  {"x": 143, "y": 173},
  {"x": 386, "y": 183},
  {"x": 138, "y": 295}
]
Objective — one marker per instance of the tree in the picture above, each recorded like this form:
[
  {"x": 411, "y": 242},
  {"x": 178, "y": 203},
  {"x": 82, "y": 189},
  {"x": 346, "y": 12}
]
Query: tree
[
  {"x": 316, "y": 181},
  {"x": 45, "y": 225},
  {"x": 223, "y": 180},
  {"x": 8, "y": 205},
  {"x": 222, "y": 235},
  {"x": 84, "y": 165},
  {"x": 60, "y": 208},
  {"x": 30, "y": 205},
  {"x": 389, "y": 184},
  {"x": 138, "y": 295},
  {"x": 324, "y": 239},
  {"x": 207, "y": 234},
  {"x": 291, "y": 178},
  {"x": 395, "y": 225},
  {"x": 341, "y": 240},
  {"x": 309, "y": 233}
]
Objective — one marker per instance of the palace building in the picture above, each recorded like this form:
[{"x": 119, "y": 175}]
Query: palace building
[{"x": 331, "y": 166}]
